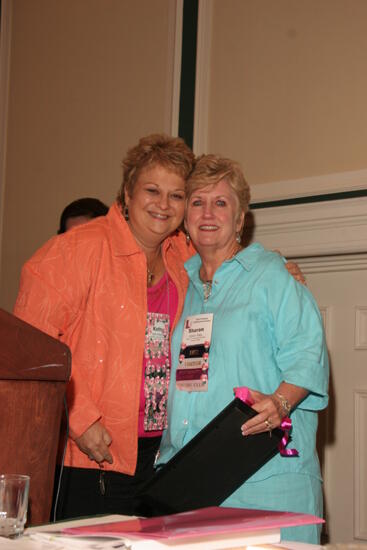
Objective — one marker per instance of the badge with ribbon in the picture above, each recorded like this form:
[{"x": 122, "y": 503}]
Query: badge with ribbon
[{"x": 193, "y": 368}]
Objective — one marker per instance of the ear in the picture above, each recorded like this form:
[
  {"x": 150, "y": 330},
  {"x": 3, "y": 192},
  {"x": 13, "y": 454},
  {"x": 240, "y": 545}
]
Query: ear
[
  {"x": 126, "y": 197},
  {"x": 240, "y": 222}
]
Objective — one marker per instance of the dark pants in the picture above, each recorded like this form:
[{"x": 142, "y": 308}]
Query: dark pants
[{"x": 88, "y": 492}]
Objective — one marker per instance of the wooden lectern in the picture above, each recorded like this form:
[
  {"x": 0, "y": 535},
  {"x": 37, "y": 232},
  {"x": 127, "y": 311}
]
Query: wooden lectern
[{"x": 34, "y": 369}]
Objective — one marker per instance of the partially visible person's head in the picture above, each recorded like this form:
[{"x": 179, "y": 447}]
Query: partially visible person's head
[
  {"x": 160, "y": 150},
  {"x": 81, "y": 211},
  {"x": 211, "y": 169}
]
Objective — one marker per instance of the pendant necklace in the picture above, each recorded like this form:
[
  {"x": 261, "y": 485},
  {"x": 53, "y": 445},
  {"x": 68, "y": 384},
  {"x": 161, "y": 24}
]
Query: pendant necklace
[
  {"x": 208, "y": 284},
  {"x": 150, "y": 271},
  {"x": 150, "y": 276},
  {"x": 207, "y": 289}
]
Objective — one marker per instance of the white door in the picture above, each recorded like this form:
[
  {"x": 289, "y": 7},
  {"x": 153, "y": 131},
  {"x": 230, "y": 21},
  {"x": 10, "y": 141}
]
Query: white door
[
  {"x": 339, "y": 285},
  {"x": 330, "y": 240}
]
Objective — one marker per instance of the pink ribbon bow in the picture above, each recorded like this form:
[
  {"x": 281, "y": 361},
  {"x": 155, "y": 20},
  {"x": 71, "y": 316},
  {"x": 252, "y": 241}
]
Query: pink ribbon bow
[{"x": 243, "y": 393}]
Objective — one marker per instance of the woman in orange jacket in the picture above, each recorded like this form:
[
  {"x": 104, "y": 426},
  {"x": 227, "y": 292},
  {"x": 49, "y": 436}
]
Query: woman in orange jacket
[{"x": 113, "y": 290}]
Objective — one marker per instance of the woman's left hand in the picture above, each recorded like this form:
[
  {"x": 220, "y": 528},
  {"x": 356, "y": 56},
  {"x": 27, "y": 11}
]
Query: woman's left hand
[
  {"x": 270, "y": 414},
  {"x": 294, "y": 270}
]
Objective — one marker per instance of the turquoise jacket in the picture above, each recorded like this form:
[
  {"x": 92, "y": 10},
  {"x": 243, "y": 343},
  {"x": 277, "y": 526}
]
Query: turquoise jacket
[{"x": 267, "y": 329}]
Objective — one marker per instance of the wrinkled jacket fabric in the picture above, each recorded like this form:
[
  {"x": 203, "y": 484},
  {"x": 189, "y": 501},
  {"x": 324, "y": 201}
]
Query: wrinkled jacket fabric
[
  {"x": 267, "y": 328},
  {"x": 87, "y": 287}
]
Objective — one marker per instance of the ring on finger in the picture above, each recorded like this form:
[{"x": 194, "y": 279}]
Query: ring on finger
[{"x": 268, "y": 423}]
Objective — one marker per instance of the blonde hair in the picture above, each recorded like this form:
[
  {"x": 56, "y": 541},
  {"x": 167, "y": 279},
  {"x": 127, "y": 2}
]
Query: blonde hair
[
  {"x": 169, "y": 152},
  {"x": 211, "y": 169}
]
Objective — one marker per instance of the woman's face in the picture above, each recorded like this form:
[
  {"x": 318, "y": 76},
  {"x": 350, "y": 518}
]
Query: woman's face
[
  {"x": 212, "y": 217},
  {"x": 156, "y": 207}
]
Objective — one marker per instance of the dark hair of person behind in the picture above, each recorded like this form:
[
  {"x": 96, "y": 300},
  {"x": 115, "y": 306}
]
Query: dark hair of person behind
[{"x": 82, "y": 207}]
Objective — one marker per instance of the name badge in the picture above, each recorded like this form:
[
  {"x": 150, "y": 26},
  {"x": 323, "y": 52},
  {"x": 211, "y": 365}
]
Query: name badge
[{"x": 193, "y": 368}]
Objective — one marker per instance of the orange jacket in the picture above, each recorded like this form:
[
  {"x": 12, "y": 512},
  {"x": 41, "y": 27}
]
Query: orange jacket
[{"x": 88, "y": 288}]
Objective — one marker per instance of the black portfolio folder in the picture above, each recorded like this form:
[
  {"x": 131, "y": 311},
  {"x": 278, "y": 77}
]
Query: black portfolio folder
[{"x": 217, "y": 461}]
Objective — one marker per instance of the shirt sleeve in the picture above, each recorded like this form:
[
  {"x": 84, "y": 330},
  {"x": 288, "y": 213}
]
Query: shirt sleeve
[
  {"x": 52, "y": 296},
  {"x": 300, "y": 346}
]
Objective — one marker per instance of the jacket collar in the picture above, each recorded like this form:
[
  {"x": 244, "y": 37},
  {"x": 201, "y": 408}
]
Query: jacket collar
[{"x": 247, "y": 258}]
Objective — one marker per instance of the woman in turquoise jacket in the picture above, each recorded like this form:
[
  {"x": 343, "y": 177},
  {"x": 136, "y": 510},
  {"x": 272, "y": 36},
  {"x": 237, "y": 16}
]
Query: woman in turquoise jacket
[{"x": 266, "y": 334}]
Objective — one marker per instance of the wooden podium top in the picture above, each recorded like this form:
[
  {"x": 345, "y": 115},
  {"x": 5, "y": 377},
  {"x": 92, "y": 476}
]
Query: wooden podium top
[{"x": 27, "y": 353}]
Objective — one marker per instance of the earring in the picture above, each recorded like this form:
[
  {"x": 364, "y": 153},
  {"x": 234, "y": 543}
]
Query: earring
[
  {"x": 187, "y": 238},
  {"x": 238, "y": 238},
  {"x": 126, "y": 212}
]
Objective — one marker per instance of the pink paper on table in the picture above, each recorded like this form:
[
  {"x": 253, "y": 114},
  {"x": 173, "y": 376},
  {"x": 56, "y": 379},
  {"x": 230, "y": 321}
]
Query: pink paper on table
[{"x": 215, "y": 520}]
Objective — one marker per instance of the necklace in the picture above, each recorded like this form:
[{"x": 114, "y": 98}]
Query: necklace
[
  {"x": 150, "y": 276},
  {"x": 208, "y": 284},
  {"x": 150, "y": 270},
  {"x": 207, "y": 289}
]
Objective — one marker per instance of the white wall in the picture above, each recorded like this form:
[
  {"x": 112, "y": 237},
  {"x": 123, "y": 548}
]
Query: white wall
[{"x": 87, "y": 79}]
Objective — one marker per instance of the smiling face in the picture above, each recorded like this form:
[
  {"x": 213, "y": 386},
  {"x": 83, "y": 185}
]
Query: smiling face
[
  {"x": 213, "y": 218},
  {"x": 156, "y": 206}
]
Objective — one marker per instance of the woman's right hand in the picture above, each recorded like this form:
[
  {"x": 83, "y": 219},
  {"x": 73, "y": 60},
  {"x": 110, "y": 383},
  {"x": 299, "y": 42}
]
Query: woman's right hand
[{"x": 95, "y": 442}]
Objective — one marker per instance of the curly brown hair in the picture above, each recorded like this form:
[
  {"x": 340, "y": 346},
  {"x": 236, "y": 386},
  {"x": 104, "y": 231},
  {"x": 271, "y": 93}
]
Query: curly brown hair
[{"x": 156, "y": 149}]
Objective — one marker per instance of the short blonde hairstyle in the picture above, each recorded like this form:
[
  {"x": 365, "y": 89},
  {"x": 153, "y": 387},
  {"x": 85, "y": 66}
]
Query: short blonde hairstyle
[
  {"x": 211, "y": 169},
  {"x": 169, "y": 152}
]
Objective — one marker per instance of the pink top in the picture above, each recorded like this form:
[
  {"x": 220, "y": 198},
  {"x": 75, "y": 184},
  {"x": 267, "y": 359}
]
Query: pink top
[{"x": 162, "y": 301}]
